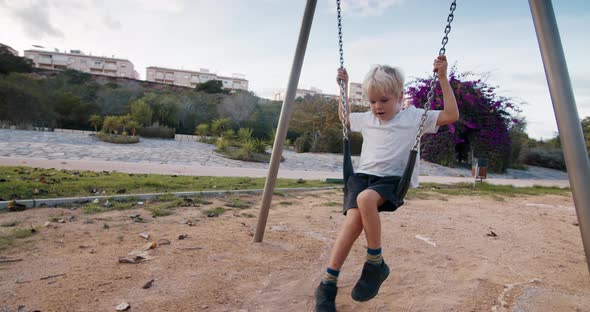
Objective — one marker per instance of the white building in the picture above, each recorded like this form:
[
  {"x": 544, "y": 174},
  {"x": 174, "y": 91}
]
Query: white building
[
  {"x": 356, "y": 96},
  {"x": 98, "y": 65},
  {"x": 190, "y": 78},
  {"x": 301, "y": 93}
]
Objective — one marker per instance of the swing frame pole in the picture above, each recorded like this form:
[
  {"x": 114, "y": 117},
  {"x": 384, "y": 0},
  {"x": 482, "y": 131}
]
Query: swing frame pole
[
  {"x": 286, "y": 110},
  {"x": 566, "y": 113}
]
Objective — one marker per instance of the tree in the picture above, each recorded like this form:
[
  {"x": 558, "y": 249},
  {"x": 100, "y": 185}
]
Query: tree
[
  {"x": 238, "y": 107},
  {"x": 141, "y": 112},
  {"x": 133, "y": 125},
  {"x": 124, "y": 122},
  {"x": 483, "y": 126},
  {"x": 12, "y": 63},
  {"x": 110, "y": 124},
  {"x": 316, "y": 121},
  {"x": 211, "y": 86},
  {"x": 586, "y": 130},
  {"x": 95, "y": 121}
]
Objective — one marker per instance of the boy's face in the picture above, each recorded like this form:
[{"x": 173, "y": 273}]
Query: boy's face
[{"x": 384, "y": 106}]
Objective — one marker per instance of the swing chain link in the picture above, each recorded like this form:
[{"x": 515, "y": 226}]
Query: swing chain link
[
  {"x": 430, "y": 98},
  {"x": 342, "y": 84}
]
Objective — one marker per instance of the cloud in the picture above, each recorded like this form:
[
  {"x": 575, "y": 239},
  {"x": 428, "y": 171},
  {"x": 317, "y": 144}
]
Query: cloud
[
  {"x": 111, "y": 23},
  {"x": 34, "y": 16},
  {"x": 368, "y": 7},
  {"x": 170, "y": 6}
]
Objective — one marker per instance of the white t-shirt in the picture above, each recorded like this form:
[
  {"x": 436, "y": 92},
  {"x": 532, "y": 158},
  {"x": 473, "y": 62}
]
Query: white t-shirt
[{"x": 387, "y": 144}]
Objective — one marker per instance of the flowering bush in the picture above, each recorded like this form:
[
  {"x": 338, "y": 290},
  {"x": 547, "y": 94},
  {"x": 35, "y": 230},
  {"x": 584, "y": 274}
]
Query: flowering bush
[{"x": 483, "y": 126}]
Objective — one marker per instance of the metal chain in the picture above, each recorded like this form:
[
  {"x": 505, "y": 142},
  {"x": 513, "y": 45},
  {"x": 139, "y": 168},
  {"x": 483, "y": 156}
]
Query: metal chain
[
  {"x": 342, "y": 84},
  {"x": 442, "y": 51}
]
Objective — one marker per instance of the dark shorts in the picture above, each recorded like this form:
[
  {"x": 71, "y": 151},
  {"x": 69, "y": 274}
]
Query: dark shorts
[{"x": 385, "y": 186}]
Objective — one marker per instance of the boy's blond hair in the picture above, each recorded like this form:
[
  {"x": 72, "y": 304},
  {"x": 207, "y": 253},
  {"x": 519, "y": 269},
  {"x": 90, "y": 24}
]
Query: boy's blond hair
[{"x": 383, "y": 79}]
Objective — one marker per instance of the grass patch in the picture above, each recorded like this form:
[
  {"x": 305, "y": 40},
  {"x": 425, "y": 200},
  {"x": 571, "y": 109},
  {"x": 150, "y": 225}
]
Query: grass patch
[
  {"x": 14, "y": 238},
  {"x": 248, "y": 215},
  {"x": 93, "y": 208},
  {"x": 162, "y": 209},
  {"x": 214, "y": 212},
  {"x": 237, "y": 203},
  {"x": 332, "y": 204},
  {"x": 36, "y": 183},
  {"x": 498, "y": 192},
  {"x": 286, "y": 203}
]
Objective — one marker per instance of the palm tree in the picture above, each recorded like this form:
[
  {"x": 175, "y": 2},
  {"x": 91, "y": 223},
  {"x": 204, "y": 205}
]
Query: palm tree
[
  {"x": 95, "y": 120},
  {"x": 133, "y": 125},
  {"x": 124, "y": 122},
  {"x": 110, "y": 123},
  {"x": 218, "y": 126}
]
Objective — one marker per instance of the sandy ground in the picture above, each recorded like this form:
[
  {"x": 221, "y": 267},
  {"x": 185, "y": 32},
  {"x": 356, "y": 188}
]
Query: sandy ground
[{"x": 535, "y": 263}]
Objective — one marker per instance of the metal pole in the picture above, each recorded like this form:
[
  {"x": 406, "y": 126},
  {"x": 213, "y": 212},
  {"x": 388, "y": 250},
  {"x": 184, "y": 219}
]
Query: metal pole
[
  {"x": 566, "y": 114},
  {"x": 277, "y": 149}
]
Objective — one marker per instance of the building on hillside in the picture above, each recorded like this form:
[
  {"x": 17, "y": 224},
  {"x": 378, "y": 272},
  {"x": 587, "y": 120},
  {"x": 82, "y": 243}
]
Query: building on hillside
[
  {"x": 75, "y": 59},
  {"x": 11, "y": 50},
  {"x": 190, "y": 78},
  {"x": 356, "y": 95},
  {"x": 301, "y": 93}
]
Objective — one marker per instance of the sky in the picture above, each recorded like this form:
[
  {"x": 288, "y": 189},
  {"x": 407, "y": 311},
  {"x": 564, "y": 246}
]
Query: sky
[{"x": 257, "y": 38}]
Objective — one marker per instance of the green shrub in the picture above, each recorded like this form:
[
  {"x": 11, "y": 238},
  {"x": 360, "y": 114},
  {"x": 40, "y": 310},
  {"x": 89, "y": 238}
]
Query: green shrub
[
  {"x": 118, "y": 139},
  {"x": 202, "y": 129},
  {"x": 221, "y": 144},
  {"x": 545, "y": 158},
  {"x": 244, "y": 134},
  {"x": 303, "y": 143},
  {"x": 247, "y": 150},
  {"x": 157, "y": 132}
]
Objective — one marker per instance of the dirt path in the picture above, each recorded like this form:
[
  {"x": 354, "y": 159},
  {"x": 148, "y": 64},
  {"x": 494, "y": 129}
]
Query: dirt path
[{"x": 536, "y": 262}]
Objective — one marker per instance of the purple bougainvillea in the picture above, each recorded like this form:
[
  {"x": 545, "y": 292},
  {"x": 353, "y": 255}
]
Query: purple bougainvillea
[{"x": 483, "y": 127}]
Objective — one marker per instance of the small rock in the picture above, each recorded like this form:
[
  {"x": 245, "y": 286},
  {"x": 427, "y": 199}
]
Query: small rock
[
  {"x": 279, "y": 228},
  {"x": 163, "y": 242},
  {"x": 96, "y": 201},
  {"x": 46, "y": 224},
  {"x": 140, "y": 203},
  {"x": 182, "y": 236},
  {"x": 148, "y": 284},
  {"x": 61, "y": 221},
  {"x": 144, "y": 235},
  {"x": 300, "y": 181},
  {"x": 123, "y": 306},
  {"x": 107, "y": 203},
  {"x": 205, "y": 307}
]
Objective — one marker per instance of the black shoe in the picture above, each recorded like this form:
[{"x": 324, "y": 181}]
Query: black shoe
[
  {"x": 325, "y": 296},
  {"x": 368, "y": 285}
]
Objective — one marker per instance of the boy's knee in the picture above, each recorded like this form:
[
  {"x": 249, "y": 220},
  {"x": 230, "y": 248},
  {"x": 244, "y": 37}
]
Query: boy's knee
[
  {"x": 368, "y": 198},
  {"x": 354, "y": 220}
]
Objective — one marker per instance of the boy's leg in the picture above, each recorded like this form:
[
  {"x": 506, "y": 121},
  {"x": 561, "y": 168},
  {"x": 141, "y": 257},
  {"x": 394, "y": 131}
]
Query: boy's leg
[
  {"x": 374, "y": 272},
  {"x": 368, "y": 202},
  {"x": 350, "y": 231}
]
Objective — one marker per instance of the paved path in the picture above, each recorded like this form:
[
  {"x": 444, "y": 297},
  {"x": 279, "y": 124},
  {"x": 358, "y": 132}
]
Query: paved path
[{"x": 84, "y": 152}]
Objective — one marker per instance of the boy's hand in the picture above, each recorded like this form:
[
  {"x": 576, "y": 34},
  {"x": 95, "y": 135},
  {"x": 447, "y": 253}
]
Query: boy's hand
[
  {"x": 440, "y": 65},
  {"x": 342, "y": 76}
]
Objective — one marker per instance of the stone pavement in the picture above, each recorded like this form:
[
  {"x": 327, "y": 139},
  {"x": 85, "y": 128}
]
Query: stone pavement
[{"x": 84, "y": 152}]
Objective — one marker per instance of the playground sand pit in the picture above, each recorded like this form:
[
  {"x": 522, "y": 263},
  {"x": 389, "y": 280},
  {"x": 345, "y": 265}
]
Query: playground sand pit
[{"x": 446, "y": 253}]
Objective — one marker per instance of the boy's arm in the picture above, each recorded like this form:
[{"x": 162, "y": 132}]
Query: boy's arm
[{"x": 450, "y": 112}]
